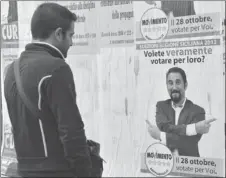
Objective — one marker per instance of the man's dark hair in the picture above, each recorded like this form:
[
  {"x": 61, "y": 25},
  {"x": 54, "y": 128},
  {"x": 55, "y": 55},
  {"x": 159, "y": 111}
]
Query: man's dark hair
[
  {"x": 177, "y": 70},
  {"x": 48, "y": 17}
]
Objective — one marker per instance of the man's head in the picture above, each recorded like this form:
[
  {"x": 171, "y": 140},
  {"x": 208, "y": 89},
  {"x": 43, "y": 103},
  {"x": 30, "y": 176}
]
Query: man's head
[
  {"x": 54, "y": 24},
  {"x": 176, "y": 82}
]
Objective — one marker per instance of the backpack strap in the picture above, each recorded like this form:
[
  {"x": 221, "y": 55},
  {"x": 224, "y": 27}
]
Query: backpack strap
[{"x": 37, "y": 113}]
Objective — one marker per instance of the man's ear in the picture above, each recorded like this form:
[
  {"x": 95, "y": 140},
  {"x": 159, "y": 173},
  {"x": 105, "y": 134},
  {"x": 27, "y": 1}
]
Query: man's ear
[
  {"x": 59, "y": 34},
  {"x": 186, "y": 85}
]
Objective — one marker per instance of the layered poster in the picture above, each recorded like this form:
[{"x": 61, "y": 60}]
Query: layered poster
[
  {"x": 86, "y": 37},
  {"x": 9, "y": 52},
  {"x": 180, "y": 44},
  {"x": 116, "y": 22},
  {"x": 8, "y": 155},
  {"x": 85, "y": 40}
]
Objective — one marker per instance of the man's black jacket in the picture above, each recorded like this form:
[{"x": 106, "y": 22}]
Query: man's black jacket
[{"x": 56, "y": 142}]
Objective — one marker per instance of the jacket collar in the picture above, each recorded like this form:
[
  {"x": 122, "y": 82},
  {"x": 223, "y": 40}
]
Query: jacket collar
[
  {"x": 39, "y": 46},
  {"x": 180, "y": 106},
  {"x": 184, "y": 111}
]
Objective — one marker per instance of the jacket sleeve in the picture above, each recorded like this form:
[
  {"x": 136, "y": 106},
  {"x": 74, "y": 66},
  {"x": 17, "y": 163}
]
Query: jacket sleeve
[
  {"x": 185, "y": 141},
  {"x": 176, "y": 134},
  {"x": 62, "y": 100},
  {"x": 164, "y": 124}
]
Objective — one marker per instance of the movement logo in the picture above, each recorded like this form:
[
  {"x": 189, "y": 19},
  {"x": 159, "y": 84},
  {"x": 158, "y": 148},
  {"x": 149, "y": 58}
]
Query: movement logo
[
  {"x": 154, "y": 24},
  {"x": 159, "y": 160}
]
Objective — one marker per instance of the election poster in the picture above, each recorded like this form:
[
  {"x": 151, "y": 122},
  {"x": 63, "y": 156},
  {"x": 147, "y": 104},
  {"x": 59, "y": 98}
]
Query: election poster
[
  {"x": 9, "y": 52},
  {"x": 185, "y": 45},
  {"x": 116, "y": 25},
  {"x": 9, "y": 35},
  {"x": 180, "y": 26},
  {"x": 86, "y": 37},
  {"x": 202, "y": 76}
]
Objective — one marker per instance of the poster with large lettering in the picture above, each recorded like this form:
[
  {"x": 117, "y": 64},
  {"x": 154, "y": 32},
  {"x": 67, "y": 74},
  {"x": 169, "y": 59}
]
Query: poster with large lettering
[
  {"x": 9, "y": 35},
  {"x": 86, "y": 37},
  {"x": 183, "y": 51},
  {"x": 9, "y": 52},
  {"x": 178, "y": 22}
]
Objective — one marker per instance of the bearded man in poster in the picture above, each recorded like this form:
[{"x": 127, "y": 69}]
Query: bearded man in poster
[{"x": 180, "y": 122}]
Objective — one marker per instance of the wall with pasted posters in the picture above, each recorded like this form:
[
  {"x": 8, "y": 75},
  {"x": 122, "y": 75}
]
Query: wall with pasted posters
[
  {"x": 9, "y": 52},
  {"x": 120, "y": 76}
]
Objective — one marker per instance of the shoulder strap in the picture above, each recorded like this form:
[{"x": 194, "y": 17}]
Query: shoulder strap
[{"x": 23, "y": 96}]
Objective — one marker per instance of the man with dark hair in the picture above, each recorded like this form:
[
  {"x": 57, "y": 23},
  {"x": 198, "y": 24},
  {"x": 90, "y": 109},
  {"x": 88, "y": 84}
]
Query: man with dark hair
[
  {"x": 180, "y": 121},
  {"x": 55, "y": 145}
]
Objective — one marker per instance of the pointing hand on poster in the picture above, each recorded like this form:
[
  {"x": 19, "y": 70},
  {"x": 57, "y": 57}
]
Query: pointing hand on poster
[
  {"x": 153, "y": 131},
  {"x": 203, "y": 127}
]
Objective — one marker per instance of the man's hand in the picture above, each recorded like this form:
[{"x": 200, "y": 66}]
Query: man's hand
[
  {"x": 203, "y": 127},
  {"x": 154, "y": 132}
]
